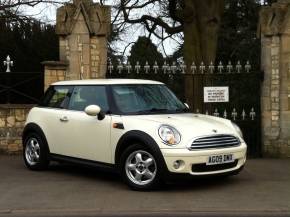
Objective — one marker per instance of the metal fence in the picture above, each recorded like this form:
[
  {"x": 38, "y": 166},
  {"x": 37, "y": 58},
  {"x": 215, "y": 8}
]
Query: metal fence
[
  {"x": 20, "y": 87},
  {"x": 243, "y": 82}
]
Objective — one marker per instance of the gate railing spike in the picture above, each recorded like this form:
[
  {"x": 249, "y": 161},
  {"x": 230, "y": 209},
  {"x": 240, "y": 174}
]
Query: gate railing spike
[
  {"x": 164, "y": 67},
  {"x": 243, "y": 115},
  {"x": 111, "y": 66},
  {"x": 182, "y": 67},
  {"x": 202, "y": 67},
  {"x": 248, "y": 66},
  {"x": 155, "y": 67},
  {"x": 234, "y": 114},
  {"x": 120, "y": 67},
  {"x": 8, "y": 63},
  {"x": 173, "y": 67},
  {"x": 211, "y": 67},
  {"x": 216, "y": 113},
  {"x": 238, "y": 67},
  {"x": 193, "y": 68},
  {"x": 220, "y": 67},
  {"x": 168, "y": 69},
  {"x": 229, "y": 67},
  {"x": 128, "y": 67},
  {"x": 137, "y": 67},
  {"x": 252, "y": 114},
  {"x": 225, "y": 115},
  {"x": 146, "y": 67}
]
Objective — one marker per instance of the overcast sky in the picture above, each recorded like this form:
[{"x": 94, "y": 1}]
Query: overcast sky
[{"x": 47, "y": 13}]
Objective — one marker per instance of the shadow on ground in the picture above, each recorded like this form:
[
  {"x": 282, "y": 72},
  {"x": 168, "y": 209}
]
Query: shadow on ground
[{"x": 113, "y": 177}]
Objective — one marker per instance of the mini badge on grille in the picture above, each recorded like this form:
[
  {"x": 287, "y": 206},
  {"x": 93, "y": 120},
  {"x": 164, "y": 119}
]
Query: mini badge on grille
[{"x": 215, "y": 131}]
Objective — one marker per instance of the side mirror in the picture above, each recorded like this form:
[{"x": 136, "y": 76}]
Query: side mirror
[
  {"x": 95, "y": 110},
  {"x": 187, "y": 106}
]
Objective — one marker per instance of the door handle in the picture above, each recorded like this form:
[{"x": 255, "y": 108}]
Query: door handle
[{"x": 63, "y": 119}]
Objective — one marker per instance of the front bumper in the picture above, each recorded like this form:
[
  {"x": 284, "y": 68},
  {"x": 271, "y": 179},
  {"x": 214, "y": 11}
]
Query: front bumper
[{"x": 200, "y": 157}]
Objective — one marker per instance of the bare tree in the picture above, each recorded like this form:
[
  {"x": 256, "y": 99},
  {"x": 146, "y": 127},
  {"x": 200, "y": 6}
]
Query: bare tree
[
  {"x": 194, "y": 22},
  {"x": 11, "y": 9}
]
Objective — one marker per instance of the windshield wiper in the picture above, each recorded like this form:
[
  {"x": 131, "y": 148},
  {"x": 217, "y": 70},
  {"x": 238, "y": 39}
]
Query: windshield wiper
[
  {"x": 182, "y": 110},
  {"x": 152, "y": 110}
]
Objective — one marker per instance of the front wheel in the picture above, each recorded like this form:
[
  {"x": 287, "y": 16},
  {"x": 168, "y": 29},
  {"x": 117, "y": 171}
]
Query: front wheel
[
  {"x": 139, "y": 168},
  {"x": 35, "y": 152}
]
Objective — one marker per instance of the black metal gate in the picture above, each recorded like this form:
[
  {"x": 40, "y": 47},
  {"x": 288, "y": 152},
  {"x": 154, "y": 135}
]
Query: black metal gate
[
  {"x": 243, "y": 107},
  {"x": 21, "y": 87},
  {"x": 244, "y": 86}
]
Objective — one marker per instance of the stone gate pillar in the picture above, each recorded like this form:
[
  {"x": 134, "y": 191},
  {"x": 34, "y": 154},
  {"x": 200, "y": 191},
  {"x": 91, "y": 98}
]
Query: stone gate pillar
[
  {"x": 274, "y": 31},
  {"x": 82, "y": 27}
]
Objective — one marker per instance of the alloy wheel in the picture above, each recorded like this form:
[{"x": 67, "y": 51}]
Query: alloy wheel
[
  {"x": 141, "y": 167},
  {"x": 32, "y": 151}
]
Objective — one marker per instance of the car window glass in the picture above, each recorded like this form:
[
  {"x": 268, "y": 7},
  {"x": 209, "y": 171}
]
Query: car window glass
[
  {"x": 139, "y": 98},
  {"x": 83, "y": 96},
  {"x": 59, "y": 96}
]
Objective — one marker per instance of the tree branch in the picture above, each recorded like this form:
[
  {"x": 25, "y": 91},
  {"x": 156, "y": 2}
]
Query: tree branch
[
  {"x": 145, "y": 19},
  {"x": 135, "y": 6},
  {"x": 174, "y": 12},
  {"x": 14, "y": 3}
]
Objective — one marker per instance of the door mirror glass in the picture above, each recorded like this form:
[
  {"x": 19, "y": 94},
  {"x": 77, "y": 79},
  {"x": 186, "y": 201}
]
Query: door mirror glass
[
  {"x": 92, "y": 110},
  {"x": 187, "y": 106}
]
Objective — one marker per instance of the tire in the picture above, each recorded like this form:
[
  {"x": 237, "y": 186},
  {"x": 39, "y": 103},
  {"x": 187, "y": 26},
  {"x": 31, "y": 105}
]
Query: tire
[
  {"x": 140, "y": 168},
  {"x": 35, "y": 152}
]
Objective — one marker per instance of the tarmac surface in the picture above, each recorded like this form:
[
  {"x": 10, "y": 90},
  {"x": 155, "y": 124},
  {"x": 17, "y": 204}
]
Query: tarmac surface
[{"x": 261, "y": 189}]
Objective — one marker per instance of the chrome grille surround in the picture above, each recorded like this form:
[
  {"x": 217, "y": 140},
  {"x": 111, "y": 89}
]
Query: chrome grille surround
[{"x": 214, "y": 141}]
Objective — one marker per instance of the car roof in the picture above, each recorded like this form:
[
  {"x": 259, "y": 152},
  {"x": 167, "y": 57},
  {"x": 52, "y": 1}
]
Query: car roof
[{"x": 106, "y": 82}]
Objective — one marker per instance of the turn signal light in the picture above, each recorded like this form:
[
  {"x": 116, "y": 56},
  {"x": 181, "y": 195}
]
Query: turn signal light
[{"x": 118, "y": 125}]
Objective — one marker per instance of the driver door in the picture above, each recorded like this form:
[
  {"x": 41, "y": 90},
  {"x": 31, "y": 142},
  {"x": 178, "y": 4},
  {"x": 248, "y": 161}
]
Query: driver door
[{"x": 89, "y": 137}]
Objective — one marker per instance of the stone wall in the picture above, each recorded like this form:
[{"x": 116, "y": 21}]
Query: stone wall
[
  {"x": 12, "y": 119},
  {"x": 98, "y": 57},
  {"x": 83, "y": 27},
  {"x": 275, "y": 62},
  {"x": 54, "y": 71}
]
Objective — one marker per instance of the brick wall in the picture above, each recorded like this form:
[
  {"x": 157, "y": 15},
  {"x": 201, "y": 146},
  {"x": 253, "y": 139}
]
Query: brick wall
[{"x": 12, "y": 119}]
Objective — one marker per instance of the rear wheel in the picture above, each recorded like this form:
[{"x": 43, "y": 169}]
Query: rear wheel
[
  {"x": 139, "y": 168},
  {"x": 35, "y": 152}
]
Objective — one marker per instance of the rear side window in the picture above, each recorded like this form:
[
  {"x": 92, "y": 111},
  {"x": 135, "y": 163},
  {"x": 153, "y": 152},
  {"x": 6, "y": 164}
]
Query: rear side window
[
  {"x": 82, "y": 96},
  {"x": 57, "y": 97}
]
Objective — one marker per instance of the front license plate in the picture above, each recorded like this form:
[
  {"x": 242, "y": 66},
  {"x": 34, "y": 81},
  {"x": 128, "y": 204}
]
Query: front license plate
[{"x": 220, "y": 159}]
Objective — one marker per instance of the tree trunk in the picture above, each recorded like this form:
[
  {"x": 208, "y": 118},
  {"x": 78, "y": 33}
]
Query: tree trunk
[{"x": 201, "y": 24}]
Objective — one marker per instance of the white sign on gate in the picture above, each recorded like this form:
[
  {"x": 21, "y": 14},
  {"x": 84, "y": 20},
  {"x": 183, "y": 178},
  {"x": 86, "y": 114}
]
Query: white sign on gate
[{"x": 216, "y": 94}]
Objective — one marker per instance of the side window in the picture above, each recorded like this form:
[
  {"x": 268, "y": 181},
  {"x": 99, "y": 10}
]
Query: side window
[
  {"x": 56, "y": 97},
  {"x": 83, "y": 96}
]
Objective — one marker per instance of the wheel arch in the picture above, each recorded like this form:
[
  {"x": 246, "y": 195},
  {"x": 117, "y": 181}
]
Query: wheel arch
[
  {"x": 33, "y": 128},
  {"x": 133, "y": 137}
]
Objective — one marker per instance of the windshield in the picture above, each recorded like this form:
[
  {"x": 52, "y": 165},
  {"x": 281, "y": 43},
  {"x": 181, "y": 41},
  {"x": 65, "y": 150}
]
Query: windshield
[{"x": 146, "y": 98}]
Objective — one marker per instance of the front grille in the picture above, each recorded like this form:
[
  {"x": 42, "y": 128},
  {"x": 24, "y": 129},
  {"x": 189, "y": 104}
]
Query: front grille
[
  {"x": 215, "y": 141},
  {"x": 198, "y": 168}
]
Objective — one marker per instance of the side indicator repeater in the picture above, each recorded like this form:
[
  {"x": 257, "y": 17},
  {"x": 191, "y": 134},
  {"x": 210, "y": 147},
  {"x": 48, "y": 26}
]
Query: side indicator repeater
[{"x": 118, "y": 125}]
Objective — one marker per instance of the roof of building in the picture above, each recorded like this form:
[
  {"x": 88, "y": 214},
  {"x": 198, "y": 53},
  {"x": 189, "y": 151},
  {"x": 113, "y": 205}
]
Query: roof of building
[{"x": 106, "y": 82}]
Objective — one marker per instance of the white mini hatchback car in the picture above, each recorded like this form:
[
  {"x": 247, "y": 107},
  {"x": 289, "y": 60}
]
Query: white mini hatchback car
[{"x": 137, "y": 127}]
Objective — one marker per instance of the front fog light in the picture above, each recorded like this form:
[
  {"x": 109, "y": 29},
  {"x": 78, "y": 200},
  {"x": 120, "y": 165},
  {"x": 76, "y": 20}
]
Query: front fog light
[{"x": 177, "y": 164}]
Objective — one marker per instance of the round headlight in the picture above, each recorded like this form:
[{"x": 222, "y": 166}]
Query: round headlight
[
  {"x": 169, "y": 135},
  {"x": 238, "y": 129}
]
